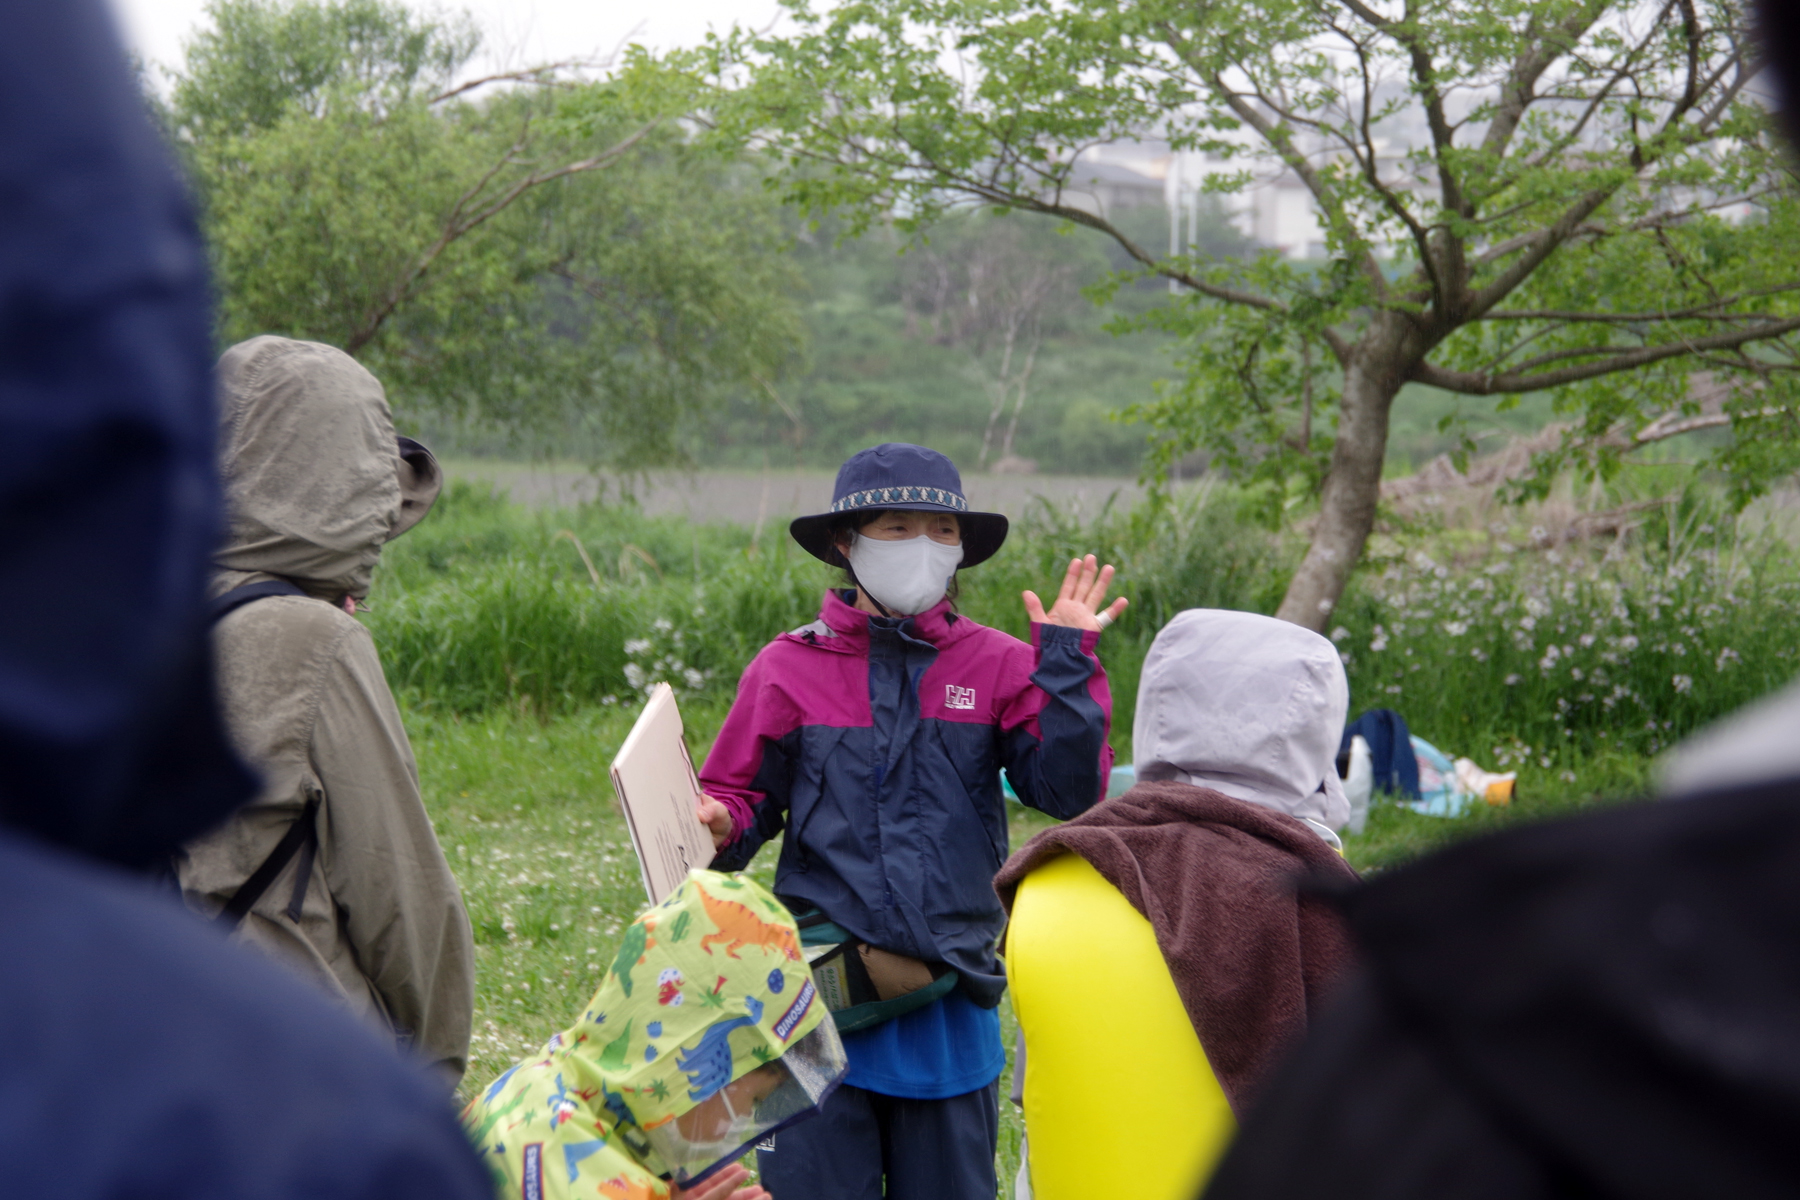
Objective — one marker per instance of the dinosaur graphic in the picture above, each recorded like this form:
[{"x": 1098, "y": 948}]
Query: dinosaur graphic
[
  {"x": 494, "y": 1088},
  {"x": 621, "y": 1188},
  {"x": 708, "y": 1064},
  {"x": 612, "y": 1055},
  {"x": 561, "y": 1107},
  {"x": 738, "y": 926},
  {"x": 478, "y": 1134},
  {"x": 668, "y": 986},
  {"x": 574, "y": 1152},
  {"x": 615, "y": 1104},
  {"x": 631, "y": 952}
]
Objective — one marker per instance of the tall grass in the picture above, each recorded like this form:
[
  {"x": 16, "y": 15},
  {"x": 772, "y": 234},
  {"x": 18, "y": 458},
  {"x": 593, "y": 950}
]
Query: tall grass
[
  {"x": 491, "y": 605},
  {"x": 1575, "y": 659},
  {"x": 550, "y": 611},
  {"x": 1492, "y": 643},
  {"x": 520, "y": 641}
]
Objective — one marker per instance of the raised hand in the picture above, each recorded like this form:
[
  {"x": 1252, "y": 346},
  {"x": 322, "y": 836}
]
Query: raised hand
[
  {"x": 720, "y": 1186},
  {"x": 1078, "y": 603}
]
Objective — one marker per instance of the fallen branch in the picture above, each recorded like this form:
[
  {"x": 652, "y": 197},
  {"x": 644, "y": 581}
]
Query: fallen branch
[{"x": 1517, "y": 460}]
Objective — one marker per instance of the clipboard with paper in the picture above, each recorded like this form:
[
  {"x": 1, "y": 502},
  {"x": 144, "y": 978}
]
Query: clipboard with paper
[{"x": 653, "y": 775}]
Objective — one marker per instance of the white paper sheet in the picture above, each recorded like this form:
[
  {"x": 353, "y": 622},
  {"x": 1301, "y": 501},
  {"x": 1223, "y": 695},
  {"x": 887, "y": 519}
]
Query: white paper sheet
[{"x": 654, "y": 777}]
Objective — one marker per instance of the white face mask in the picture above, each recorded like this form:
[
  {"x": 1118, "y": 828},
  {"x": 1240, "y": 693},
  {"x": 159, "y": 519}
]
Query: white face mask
[{"x": 905, "y": 577}]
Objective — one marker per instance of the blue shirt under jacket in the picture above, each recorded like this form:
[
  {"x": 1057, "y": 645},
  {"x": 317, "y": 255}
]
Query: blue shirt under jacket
[{"x": 949, "y": 1047}]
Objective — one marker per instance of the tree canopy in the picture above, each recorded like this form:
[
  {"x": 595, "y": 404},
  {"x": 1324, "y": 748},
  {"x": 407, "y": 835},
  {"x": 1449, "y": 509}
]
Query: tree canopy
[
  {"x": 1515, "y": 195},
  {"x": 545, "y": 252}
]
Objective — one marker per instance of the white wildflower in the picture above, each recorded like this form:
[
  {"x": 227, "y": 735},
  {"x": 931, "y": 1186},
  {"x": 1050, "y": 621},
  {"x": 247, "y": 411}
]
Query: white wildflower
[
  {"x": 636, "y": 646},
  {"x": 1682, "y": 682},
  {"x": 1727, "y": 656}
]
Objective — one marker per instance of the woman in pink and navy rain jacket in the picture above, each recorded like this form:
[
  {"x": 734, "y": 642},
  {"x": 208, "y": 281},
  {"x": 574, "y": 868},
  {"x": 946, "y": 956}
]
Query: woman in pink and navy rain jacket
[{"x": 875, "y": 737}]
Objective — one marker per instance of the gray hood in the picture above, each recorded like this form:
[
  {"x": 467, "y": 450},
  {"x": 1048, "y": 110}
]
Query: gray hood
[
  {"x": 313, "y": 473},
  {"x": 1755, "y": 744},
  {"x": 1245, "y": 705}
]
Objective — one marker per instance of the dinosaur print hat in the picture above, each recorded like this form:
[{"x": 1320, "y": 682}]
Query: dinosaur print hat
[{"x": 706, "y": 1035}]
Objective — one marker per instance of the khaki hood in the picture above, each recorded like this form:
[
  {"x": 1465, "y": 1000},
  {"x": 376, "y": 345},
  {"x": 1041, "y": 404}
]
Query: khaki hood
[{"x": 313, "y": 473}]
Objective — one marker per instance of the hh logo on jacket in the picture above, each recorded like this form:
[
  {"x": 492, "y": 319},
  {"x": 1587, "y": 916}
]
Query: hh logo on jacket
[{"x": 958, "y": 697}]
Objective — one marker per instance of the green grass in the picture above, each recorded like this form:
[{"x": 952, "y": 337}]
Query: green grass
[
  {"x": 525, "y": 812},
  {"x": 520, "y": 642}
]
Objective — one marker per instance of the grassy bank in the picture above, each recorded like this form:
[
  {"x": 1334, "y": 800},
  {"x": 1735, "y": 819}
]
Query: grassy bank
[
  {"x": 1582, "y": 659},
  {"x": 521, "y": 640}
]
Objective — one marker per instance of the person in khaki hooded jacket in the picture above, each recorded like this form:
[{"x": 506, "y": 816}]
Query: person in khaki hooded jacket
[{"x": 316, "y": 482}]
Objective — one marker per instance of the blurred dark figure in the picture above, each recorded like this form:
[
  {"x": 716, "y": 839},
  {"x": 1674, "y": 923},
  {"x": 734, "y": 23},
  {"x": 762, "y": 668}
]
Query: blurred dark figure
[
  {"x": 1607, "y": 1006},
  {"x": 141, "y": 1055}
]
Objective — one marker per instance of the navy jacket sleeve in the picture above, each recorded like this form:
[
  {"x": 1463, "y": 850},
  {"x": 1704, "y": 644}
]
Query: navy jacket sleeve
[
  {"x": 751, "y": 767},
  {"x": 1054, "y": 732}
]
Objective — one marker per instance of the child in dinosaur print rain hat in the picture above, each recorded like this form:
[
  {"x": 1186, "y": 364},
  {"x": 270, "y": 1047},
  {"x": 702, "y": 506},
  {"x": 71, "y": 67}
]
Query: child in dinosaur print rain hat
[{"x": 706, "y": 1036}]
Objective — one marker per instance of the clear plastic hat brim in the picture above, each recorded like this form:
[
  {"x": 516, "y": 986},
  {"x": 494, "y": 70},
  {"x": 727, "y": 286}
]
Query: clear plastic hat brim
[{"x": 721, "y": 1128}]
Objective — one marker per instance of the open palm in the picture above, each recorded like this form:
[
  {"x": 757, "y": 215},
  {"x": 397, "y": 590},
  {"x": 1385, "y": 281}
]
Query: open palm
[
  {"x": 724, "y": 1186},
  {"x": 1078, "y": 603}
]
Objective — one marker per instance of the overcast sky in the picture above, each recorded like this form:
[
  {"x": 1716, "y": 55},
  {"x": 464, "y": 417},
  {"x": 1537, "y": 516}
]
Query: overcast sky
[{"x": 518, "y": 32}]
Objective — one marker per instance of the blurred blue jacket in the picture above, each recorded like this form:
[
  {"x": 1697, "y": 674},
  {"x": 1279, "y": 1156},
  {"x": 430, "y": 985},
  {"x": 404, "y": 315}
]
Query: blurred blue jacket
[
  {"x": 142, "y": 1056},
  {"x": 1390, "y": 751}
]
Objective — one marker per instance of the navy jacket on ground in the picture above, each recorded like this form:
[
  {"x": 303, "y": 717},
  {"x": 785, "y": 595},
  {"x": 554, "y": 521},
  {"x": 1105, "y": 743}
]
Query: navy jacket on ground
[
  {"x": 1391, "y": 754},
  {"x": 877, "y": 743},
  {"x": 142, "y": 1056}
]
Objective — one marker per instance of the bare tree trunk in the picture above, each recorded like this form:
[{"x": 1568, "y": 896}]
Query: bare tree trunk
[
  {"x": 1020, "y": 386},
  {"x": 1352, "y": 489},
  {"x": 997, "y": 391}
]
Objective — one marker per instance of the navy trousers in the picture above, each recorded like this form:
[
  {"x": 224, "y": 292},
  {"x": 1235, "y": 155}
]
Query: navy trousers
[{"x": 866, "y": 1146}]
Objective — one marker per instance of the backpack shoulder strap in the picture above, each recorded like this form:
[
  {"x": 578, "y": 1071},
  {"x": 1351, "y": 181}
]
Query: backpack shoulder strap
[
  {"x": 227, "y": 603},
  {"x": 303, "y": 833}
]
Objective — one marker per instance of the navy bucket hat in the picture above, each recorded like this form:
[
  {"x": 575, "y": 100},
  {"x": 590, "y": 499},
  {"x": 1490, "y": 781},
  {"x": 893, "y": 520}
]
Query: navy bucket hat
[{"x": 896, "y": 475}]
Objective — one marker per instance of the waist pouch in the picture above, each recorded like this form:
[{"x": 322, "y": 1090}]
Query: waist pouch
[{"x": 864, "y": 985}]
